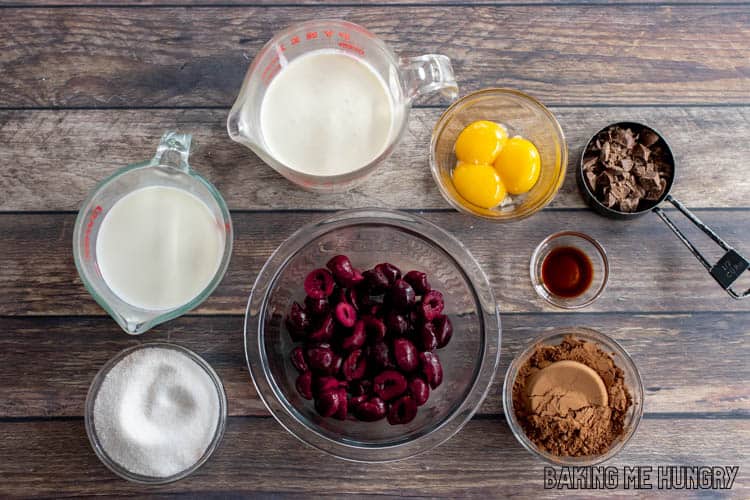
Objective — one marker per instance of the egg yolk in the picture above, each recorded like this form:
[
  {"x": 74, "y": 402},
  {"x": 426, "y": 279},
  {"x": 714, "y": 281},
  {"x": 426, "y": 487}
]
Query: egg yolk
[
  {"x": 518, "y": 165},
  {"x": 480, "y": 142},
  {"x": 479, "y": 184}
]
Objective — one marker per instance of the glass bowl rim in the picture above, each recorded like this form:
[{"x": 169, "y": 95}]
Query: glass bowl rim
[
  {"x": 535, "y": 255},
  {"x": 501, "y": 91},
  {"x": 91, "y": 430},
  {"x": 271, "y": 396},
  {"x": 627, "y": 364}
]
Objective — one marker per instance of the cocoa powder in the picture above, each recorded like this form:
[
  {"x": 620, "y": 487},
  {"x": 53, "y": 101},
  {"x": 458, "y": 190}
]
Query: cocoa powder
[{"x": 585, "y": 431}]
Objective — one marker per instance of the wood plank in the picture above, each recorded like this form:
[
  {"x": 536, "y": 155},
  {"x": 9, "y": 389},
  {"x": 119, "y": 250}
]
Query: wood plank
[
  {"x": 257, "y": 457},
  {"x": 383, "y": 3},
  {"x": 568, "y": 54},
  {"x": 53, "y": 158},
  {"x": 650, "y": 269},
  {"x": 681, "y": 370}
]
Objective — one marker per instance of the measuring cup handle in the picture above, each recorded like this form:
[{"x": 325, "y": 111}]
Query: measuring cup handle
[
  {"x": 427, "y": 74},
  {"x": 728, "y": 268},
  {"x": 174, "y": 150}
]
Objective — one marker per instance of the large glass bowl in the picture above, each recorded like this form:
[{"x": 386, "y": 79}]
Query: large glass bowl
[
  {"x": 521, "y": 115},
  {"x": 368, "y": 237}
]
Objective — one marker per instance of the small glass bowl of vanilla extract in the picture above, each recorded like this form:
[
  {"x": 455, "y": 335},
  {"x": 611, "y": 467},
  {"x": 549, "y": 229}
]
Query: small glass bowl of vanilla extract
[{"x": 569, "y": 269}]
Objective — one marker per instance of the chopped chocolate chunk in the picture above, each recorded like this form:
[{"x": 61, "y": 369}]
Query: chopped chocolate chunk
[
  {"x": 627, "y": 168},
  {"x": 648, "y": 137}
]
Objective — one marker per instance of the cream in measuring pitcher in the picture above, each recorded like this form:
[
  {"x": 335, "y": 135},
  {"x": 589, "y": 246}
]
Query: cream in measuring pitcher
[
  {"x": 327, "y": 113},
  {"x": 159, "y": 247}
]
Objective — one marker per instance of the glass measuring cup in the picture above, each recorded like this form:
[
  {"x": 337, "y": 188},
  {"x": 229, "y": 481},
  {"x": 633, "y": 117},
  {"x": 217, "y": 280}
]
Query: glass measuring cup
[
  {"x": 168, "y": 168},
  {"x": 406, "y": 78}
]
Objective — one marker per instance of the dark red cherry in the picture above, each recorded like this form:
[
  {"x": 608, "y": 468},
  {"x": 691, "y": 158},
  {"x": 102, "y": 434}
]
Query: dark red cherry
[
  {"x": 316, "y": 307},
  {"x": 443, "y": 330},
  {"x": 380, "y": 355},
  {"x": 355, "y": 366},
  {"x": 328, "y": 403},
  {"x": 298, "y": 360},
  {"x": 428, "y": 337},
  {"x": 418, "y": 281},
  {"x": 431, "y": 368},
  {"x": 405, "y": 355},
  {"x": 376, "y": 280},
  {"x": 324, "y": 330},
  {"x": 355, "y": 401},
  {"x": 297, "y": 321},
  {"x": 396, "y": 323},
  {"x": 341, "y": 268},
  {"x": 389, "y": 384},
  {"x": 419, "y": 390},
  {"x": 402, "y": 295},
  {"x": 357, "y": 338},
  {"x": 402, "y": 411},
  {"x": 371, "y": 410},
  {"x": 391, "y": 272},
  {"x": 358, "y": 297},
  {"x": 304, "y": 385},
  {"x": 432, "y": 305},
  {"x": 374, "y": 328},
  {"x": 319, "y": 284},
  {"x": 343, "y": 408},
  {"x": 326, "y": 383},
  {"x": 346, "y": 315},
  {"x": 362, "y": 387},
  {"x": 320, "y": 358}
]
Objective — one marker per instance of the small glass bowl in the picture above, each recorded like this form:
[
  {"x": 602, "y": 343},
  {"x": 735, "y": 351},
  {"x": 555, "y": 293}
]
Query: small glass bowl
[
  {"x": 521, "y": 115},
  {"x": 91, "y": 429},
  {"x": 622, "y": 360},
  {"x": 586, "y": 244},
  {"x": 368, "y": 237}
]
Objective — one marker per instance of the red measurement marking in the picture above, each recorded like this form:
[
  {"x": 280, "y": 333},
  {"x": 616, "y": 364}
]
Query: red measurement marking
[
  {"x": 273, "y": 62},
  {"x": 282, "y": 47},
  {"x": 89, "y": 227},
  {"x": 344, "y": 35},
  {"x": 311, "y": 35},
  {"x": 354, "y": 48},
  {"x": 294, "y": 40},
  {"x": 328, "y": 33}
]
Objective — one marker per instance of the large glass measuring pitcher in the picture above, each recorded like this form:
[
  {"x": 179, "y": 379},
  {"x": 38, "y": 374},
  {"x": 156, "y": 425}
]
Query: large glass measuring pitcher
[
  {"x": 168, "y": 170},
  {"x": 405, "y": 79}
]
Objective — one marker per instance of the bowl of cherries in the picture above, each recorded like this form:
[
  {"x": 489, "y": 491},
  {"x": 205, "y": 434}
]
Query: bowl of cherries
[{"x": 372, "y": 335}]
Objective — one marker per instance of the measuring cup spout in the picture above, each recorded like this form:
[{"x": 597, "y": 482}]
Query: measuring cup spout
[
  {"x": 427, "y": 74},
  {"x": 135, "y": 322}
]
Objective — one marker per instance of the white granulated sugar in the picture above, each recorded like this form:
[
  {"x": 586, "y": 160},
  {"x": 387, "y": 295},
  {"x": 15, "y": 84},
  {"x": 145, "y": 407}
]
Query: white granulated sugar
[{"x": 156, "y": 412}]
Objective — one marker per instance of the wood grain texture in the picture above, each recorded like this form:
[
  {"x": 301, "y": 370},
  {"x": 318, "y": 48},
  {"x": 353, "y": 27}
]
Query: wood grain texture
[
  {"x": 50, "y": 382},
  {"x": 54, "y": 158},
  {"x": 569, "y": 54},
  {"x": 650, "y": 269},
  {"x": 301, "y": 3},
  {"x": 258, "y": 457}
]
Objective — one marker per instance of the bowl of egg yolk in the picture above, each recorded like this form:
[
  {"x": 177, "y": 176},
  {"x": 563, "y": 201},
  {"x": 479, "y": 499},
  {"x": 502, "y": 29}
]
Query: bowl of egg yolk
[{"x": 498, "y": 154}]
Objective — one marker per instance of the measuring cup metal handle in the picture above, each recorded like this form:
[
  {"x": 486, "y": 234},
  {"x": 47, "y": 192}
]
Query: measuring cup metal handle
[
  {"x": 729, "y": 267},
  {"x": 427, "y": 74},
  {"x": 174, "y": 150}
]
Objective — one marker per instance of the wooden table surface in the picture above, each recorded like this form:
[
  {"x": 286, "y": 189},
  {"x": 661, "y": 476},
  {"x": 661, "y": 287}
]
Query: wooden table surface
[{"x": 86, "y": 88}]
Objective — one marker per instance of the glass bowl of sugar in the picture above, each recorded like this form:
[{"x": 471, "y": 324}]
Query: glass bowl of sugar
[{"x": 155, "y": 413}]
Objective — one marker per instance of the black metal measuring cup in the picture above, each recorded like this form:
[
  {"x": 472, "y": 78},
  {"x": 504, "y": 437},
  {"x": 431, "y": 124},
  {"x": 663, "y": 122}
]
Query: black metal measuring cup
[{"x": 728, "y": 268}]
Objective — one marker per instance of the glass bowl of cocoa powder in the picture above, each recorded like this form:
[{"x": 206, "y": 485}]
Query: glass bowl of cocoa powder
[{"x": 573, "y": 397}]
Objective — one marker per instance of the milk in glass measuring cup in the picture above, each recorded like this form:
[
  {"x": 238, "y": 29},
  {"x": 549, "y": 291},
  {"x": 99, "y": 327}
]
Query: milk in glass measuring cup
[
  {"x": 153, "y": 240},
  {"x": 324, "y": 102}
]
